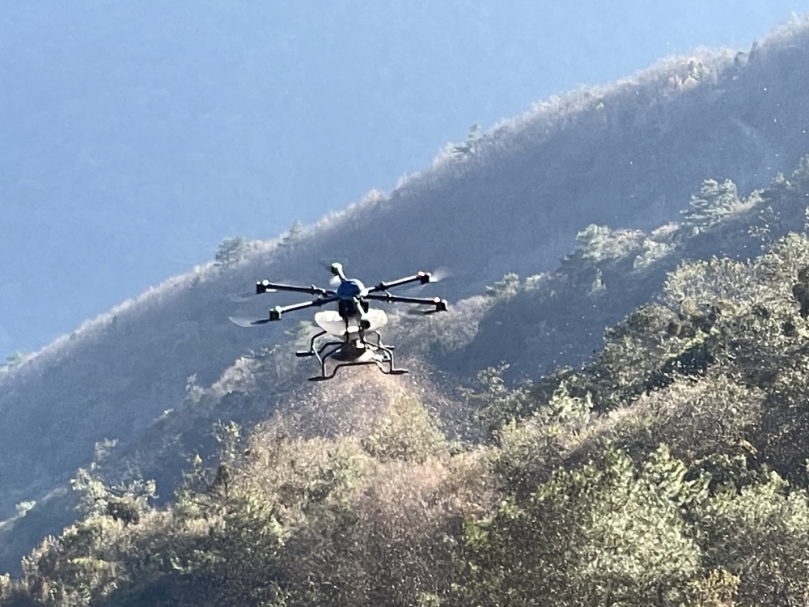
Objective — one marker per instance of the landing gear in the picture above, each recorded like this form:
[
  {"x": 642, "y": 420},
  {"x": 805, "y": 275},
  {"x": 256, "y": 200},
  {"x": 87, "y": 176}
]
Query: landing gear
[{"x": 352, "y": 353}]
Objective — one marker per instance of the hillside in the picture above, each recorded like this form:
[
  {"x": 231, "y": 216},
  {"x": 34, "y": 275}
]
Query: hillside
[
  {"x": 668, "y": 470},
  {"x": 628, "y": 155}
]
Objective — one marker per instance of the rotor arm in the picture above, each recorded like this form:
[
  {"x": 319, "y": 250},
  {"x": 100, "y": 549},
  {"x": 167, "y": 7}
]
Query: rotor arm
[
  {"x": 440, "y": 304},
  {"x": 421, "y": 277},
  {"x": 278, "y": 311},
  {"x": 265, "y": 286}
]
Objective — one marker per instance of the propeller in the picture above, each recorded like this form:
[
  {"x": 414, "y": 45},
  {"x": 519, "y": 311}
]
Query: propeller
[
  {"x": 414, "y": 311},
  {"x": 248, "y": 322},
  {"x": 247, "y": 296},
  {"x": 437, "y": 275},
  {"x": 440, "y": 305},
  {"x": 440, "y": 274},
  {"x": 329, "y": 266}
]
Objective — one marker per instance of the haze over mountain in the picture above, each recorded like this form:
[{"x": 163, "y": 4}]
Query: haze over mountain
[
  {"x": 137, "y": 135},
  {"x": 155, "y": 374}
]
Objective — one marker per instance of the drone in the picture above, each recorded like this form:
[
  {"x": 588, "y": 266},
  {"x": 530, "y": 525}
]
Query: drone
[{"x": 349, "y": 334}]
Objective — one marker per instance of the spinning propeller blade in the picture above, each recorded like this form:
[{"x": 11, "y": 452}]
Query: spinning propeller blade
[
  {"x": 248, "y": 322},
  {"x": 436, "y": 275},
  {"x": 440, "y": 274},
  {"x": 245, "y": 297},
  {"x": 334, "y": 281},
  {"x": 241, "y": 297},
  {"x": 414, "y": 311}
]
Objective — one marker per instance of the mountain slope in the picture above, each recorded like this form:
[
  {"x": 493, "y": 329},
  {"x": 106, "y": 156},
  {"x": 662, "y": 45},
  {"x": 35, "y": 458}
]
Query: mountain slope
[
  {"x": 668, "y": 471},
  {"x": 627, "y": 155}
]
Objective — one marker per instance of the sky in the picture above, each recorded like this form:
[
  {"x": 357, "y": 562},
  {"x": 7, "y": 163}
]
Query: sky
[{"x": 135, "y": 134}]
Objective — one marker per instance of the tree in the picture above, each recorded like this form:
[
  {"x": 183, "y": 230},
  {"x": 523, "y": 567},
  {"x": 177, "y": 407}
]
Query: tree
[
  {"x": 801, "y": 174},
  {"x": 600, "y": 243},
  {"x": 469, "y": 146},
  {"x": 293, "y": 235},
  {"x": 714, "y": 201},
  {"x": 13, "y": 361},
  {"x": 606, "y": 533},
  {"x": 231, "y": 250},
  {"x": 404, "y": 431},
  {"x": 761, "y": 535},
  {"x": 506, "y": 287}
]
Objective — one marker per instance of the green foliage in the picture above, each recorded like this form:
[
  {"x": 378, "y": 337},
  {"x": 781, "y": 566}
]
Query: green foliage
[
  {"x": 278, "y": 521},
  {"x": 529, "y": 452},
  {"x": 607, "y": 532},
  {"x": 760, "y": 535},
  {"x": 404, "y": 431},
  {"x": 718, "y": 589},
  {"x": 496, "y": 404},
  {"x": 708, "y": 418},
  {"x": 84, "y": 564}
]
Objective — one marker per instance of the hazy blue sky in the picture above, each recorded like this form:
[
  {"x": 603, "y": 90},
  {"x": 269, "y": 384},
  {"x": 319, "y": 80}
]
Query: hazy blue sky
[{"x": 135, "y": 135}]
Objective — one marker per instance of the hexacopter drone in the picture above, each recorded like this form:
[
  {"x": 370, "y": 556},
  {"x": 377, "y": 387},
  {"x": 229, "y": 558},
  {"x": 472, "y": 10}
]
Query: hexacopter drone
[{"x": 345, "y": 332}]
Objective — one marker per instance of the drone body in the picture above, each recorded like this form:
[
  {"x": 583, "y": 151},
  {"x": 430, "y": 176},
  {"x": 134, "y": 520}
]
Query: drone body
[{"x": 350, "y": 334}]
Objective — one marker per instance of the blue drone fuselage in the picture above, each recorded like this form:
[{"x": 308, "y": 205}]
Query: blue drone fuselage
[
  {"x": 350, "y": 293},
  {"x": 351, "y": 288}
]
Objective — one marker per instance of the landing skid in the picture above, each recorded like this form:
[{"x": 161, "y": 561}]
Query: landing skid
[
  {"x": 391, "y": 370},
  {"x": 353, "y": 353}
]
